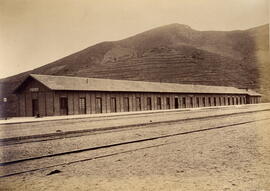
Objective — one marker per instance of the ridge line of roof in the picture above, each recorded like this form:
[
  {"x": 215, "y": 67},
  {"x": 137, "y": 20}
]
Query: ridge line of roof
[
  {"x": 39, "y": 77},
  {"x": 133, "y": 81}
]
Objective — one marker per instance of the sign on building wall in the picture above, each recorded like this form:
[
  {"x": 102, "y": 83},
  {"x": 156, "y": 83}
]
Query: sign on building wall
[{"x": 34, "y": 89}]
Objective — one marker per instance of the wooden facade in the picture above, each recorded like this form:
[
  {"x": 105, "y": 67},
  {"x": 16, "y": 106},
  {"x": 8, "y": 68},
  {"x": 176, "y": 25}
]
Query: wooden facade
[{"x": 34, "y": 98}]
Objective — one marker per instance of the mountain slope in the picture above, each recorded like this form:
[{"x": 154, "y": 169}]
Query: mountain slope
[{"x": 172, "y": 53}]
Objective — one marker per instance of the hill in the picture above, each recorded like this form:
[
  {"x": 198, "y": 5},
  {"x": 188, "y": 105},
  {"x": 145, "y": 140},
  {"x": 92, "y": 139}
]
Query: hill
[{"x": 172, "y": 53}]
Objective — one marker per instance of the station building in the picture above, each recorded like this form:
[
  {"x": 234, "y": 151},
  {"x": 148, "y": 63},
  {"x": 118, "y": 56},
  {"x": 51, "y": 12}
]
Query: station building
[{"x": 48, "y": 95}]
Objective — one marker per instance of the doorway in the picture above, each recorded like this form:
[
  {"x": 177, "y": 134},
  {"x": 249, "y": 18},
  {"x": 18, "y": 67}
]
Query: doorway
[
  {"x": 168, "y": 104},
  {"x": 197, "y": 102},
  {"x": 35, "y": 109},
  {"x": 204, "y": 102},
  {"x": 176, "y": 103},
  {"x": 126, "y": 104},
  {"x": 138, "y": 104},
  {"x": 159, "y": 103},
  {"x": 63, "y": 106},
  {"x": 184, "y": 102}
]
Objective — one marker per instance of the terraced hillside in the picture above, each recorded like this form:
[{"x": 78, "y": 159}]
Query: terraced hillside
[{"x": 172, "y": 53}]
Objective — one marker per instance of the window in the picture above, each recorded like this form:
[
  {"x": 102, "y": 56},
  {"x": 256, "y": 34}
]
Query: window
[
  {"x": 149, "y": 103},
  {"x": 138, "y": 104},
  {"x": 158, "y": 103},
  {"x": 98, "y": 105},
  {"x": 219, "y": 101},
  {"x": 126, "y": 104},
  {"x": 168, "y": 103},
  {"x": 113, "y": 104},
  {"x": 215, "y": 101},
  {"x": 82, "y": 105},
  {"x": 209, "y": 101}
]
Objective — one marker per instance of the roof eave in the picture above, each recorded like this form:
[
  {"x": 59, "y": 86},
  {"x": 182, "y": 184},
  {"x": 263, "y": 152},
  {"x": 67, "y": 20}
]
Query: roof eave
[
  {"x": 30, "y": 76},
  {"x": 33, "y": 76}
]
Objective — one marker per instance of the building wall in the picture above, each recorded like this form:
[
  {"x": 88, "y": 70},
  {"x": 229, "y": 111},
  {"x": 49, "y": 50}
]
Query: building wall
[{"x": 49, "y": 101}]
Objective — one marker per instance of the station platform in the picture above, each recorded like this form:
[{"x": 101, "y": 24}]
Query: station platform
[
  {"x": 30, "y": 127},
  {"x": 19, "y": 120}
]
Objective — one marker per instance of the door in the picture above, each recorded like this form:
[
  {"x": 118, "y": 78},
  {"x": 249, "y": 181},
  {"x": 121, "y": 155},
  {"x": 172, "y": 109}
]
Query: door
[
  {"x": 63, "y": 106},
  {"x": 113, "y": 104},
  {"x": 209, "y": 101},
  {"x": 184, "y": 102},
  {"x": 159, "y": 103},
  {"x": 197, "y": 102},
  {"x": 229, "y": 101},
  {"x": 176, "y": 103},
  {"x": 204, "y": 102},
  {"x": 168, "y": 104},
  {"x": 191, "y": 102},
  {"x": 82, "y": 105},
  {"x": 215, "y": 101},
  {"x": 98, "y": 105},
  {"x": 35, "y": 109}
]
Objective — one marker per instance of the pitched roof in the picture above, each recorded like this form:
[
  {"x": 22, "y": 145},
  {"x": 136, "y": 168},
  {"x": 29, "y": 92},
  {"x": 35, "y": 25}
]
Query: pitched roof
[{"x": 96, "y": 84}]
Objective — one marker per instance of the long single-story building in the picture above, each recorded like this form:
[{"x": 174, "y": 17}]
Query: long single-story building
[{"x": 48, "y": 95}]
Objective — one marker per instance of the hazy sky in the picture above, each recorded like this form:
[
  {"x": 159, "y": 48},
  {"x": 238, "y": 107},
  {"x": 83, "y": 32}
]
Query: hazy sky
[{"x": 36, "y": 32}]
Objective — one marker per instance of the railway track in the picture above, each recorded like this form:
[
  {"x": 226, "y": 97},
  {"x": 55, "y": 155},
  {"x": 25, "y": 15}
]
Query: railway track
[
  {"x": 106, "y": 147},
  {"x": 93, "y": 131}
]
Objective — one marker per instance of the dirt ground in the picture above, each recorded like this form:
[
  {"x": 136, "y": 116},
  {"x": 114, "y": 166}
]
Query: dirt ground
[{"x": 233, "y": 158}]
